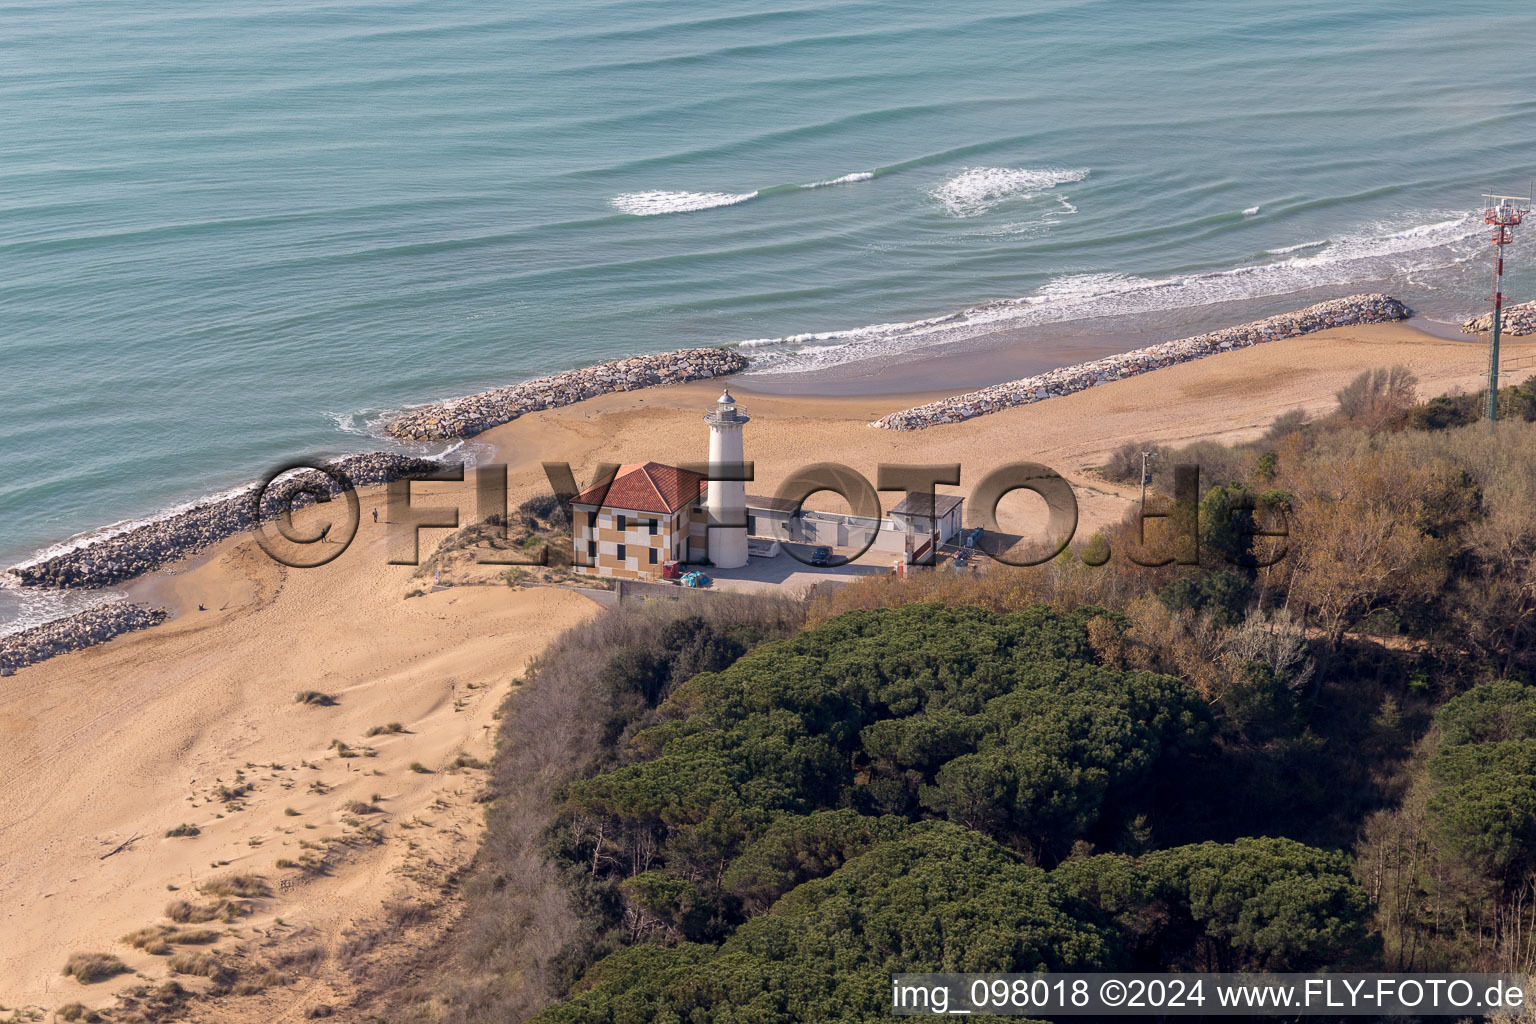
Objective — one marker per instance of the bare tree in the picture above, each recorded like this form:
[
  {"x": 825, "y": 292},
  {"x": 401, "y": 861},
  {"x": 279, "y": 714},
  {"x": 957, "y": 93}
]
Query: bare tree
[{"x": 1275, "y": 640}]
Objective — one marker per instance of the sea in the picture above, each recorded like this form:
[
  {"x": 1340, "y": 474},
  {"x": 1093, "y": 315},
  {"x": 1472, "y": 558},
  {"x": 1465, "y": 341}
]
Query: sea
[{"x": 241, "y": 232}]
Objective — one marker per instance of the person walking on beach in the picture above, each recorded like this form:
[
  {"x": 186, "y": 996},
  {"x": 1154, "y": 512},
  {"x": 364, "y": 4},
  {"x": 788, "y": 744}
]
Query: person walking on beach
[
  {"x": 323, "y": 531},
  {"x": 375, "y": 515}
]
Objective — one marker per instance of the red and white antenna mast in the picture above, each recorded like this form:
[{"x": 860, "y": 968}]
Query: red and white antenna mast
[{"x": 1503, "y": 214}]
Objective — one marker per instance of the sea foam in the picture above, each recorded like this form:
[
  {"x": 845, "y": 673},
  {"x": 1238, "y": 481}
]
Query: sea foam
[
  {"x": 846, "y": 179},
  {"x": 976, "y": 190},
  {"x": 658, "y": 201},
  {"x": 21, "y": 609}
]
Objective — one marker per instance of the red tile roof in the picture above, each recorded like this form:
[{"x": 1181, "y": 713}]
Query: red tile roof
[{"x": 648, "y": 488}]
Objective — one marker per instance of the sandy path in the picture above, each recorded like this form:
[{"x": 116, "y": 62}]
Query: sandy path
[{"x": 130, "y": 737}]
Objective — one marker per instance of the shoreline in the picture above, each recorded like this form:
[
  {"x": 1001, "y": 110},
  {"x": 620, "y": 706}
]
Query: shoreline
[
  {"x": 75, "y": 633},
  {"x": 1016, "y": 352},
  {"x": 982, "y": 362},
  {"x": 470, "y": 415},
  {"x": 1350, "y": 311},
  {"x": 140, "y": 548},
  {"x": 114, "y": 555},
  {"x": 975, "y": 362}
]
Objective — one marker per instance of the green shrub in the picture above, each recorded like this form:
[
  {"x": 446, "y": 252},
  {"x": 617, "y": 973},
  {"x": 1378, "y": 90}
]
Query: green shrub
[{"x": 1489, "y": 713}]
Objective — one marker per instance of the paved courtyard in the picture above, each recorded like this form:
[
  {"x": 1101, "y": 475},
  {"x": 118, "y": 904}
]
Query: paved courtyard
[{"x": 785, "y": 572}]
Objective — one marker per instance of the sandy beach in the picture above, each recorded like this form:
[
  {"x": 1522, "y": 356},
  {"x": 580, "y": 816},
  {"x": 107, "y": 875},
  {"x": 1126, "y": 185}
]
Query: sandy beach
[
  {"x": 135, "y": 739},
  {"x": 131, "y": 739}
]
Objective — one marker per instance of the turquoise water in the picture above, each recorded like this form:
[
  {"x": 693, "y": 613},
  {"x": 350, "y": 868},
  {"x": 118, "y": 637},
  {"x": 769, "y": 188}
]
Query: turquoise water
[{"x": 233, "y": 233}]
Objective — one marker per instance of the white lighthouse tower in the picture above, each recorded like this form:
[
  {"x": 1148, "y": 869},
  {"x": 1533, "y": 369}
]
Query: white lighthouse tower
[{"x": 727, "y": 499}]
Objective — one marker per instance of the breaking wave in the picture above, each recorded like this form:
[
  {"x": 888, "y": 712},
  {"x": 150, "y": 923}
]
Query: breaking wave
[
  {"x": 976, "y": 190},
  {"x": 846, "y": 179},
  {"x": 652, "y": 203},
  {"x": 658, "y": 201}
]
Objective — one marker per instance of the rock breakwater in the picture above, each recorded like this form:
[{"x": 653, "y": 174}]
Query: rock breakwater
[
  {"x": 1515, "y": 320},
  {"x": 83, "y": 629},
  {"x": 1356, "y": 309},
  {"x": 123, "y": 554},
  {"x": 464, "y": 417}
]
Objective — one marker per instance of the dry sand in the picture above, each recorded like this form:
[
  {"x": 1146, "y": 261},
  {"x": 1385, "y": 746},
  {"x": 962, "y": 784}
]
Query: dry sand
[{"x": 130, "y": 738}]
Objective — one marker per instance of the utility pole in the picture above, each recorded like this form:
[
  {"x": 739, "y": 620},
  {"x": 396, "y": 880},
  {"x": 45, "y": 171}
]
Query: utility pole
[{"x": 1503, "y": 216}]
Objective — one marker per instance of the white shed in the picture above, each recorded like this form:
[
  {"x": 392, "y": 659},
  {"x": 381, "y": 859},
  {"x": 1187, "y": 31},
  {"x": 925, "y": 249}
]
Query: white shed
[{"x": 921, "y": 515}]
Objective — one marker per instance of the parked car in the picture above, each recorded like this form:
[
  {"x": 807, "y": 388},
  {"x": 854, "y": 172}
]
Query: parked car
[{"x": 821, "y": 556}]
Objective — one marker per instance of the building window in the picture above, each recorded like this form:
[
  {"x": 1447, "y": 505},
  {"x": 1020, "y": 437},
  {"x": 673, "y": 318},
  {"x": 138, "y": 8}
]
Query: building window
[
  {"x": 620, "y": 522},
  {"x": 654, "y": 523},
  {"x": 751, "y": 525},
  {"x": 591, "y": 549},
  {"x": 592, "y": 520},
  {"x": 621, "y": 552},
  {"x": 653, "y": 556}
]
